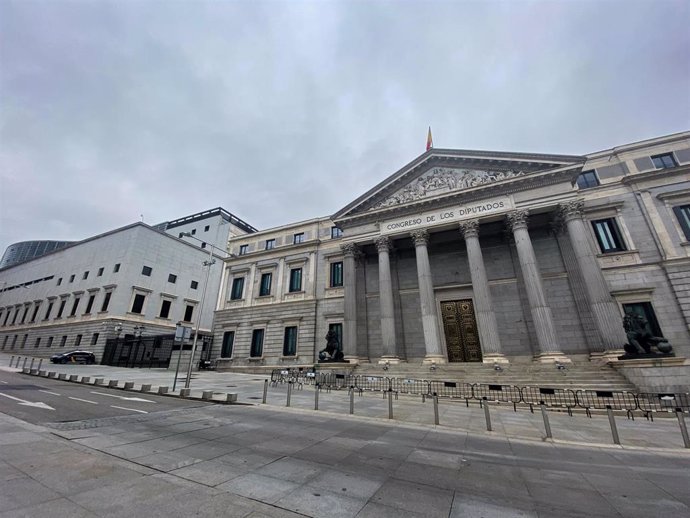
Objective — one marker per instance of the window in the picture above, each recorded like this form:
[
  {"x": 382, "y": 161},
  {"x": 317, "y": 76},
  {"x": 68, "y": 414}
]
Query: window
[
  {"x": 74, "y": 307},
  {"x": 206, "y": 228},
  {"x": 188, "y": 312},
  {"x": 683, "y": 214},
  {"x": 664, "y": 161},
  {"x": 100, "y": 272},
  {"x": 290, "y": 341},
  {"x": 257, "y": 347},
  {"x": 85, "y": 276},
  {"x": 35, "y": 313},
  {"x": 270, "y": 244},
  {"x": 228, "y": 342},
  {"x": 89, "y": 304},
  {"x": 71, "y": 278},
  {"x": 587, "y": 179},
  {"x": 237, "y": 288},
  {"x": 295, "y": 280},
  {"x": 193, "y": 232},
  {"x": 138, "y": 303},
  {"x": 77, "y": 341},
  {"x": 146, "y": 270},
  {"x": 336, "y": 232},
  {"x": 37, "y": 342},
  {"x": 63, "y": 341},
  {"x": 608, "y": 235},
  {"x": 336, "y": 274},
  {"x": 59, "y": 281},
  {"x": 194, "y": 285},
  {"x": 172, "y": 279},
  {"x": 50, "y": 342},
  {"x": 265, "y": 288},
  {"x": 298, "y": 238},
  {"x": 61, "y": 308},
  {"x": 243, "y": 249},
  {"x": 106, "y": 301},
  {"x": 94, "y": 339},
  {"x": 165, "y": 309},
  {"x": 203, "y": 244},
  {"x": 645, "y": 310},
  {"x": 116, "y": 268},
  {"x": 50, "y": 308}
]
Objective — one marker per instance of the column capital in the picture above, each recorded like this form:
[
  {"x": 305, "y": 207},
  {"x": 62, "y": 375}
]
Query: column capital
[
  {"x": 573, "y": 209},
  {"x": 383, "y": 244},
  {"x": 350, "y": 250},
  {"x": 469, "y": 228},
  {"x": 420, "y": 237},
  {"x": 517, "y": 219}
]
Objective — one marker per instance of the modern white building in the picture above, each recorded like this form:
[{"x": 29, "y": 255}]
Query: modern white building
[{"x": 134, "y": 284}]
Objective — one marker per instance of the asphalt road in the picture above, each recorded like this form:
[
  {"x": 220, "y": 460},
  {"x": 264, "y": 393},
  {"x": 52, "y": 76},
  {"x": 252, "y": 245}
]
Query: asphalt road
[{"x": 42, "y": 400}]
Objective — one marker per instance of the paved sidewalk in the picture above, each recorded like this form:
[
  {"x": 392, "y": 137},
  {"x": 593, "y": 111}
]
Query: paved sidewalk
[{"x": 663, "y": 433}]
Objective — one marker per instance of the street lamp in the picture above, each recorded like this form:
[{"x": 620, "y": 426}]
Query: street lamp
[
  {"x": 138, "y": 331},
  {"x": 208, "y": 263}
]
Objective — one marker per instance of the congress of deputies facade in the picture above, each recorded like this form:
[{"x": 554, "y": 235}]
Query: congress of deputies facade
[{"x": 471, "y": 256}]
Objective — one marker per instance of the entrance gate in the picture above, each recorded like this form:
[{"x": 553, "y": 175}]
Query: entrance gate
[{"x": 460, "y": 327}]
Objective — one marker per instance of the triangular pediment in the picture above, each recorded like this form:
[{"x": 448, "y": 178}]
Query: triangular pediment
[{"x": 441, "y": 173}]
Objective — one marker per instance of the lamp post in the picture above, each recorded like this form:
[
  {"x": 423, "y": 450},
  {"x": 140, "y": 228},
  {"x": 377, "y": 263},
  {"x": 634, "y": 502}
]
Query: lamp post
[
  {"x": 208, "y": 263},
  {"x": 138, "y": 331}
]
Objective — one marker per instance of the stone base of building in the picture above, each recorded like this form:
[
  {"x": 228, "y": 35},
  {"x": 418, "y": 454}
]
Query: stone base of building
[
  {"x": 495, "y": 358},
  {"x": 666, "y": 374},
  {"x": 606, "y": 356},
  {"x": 552, "y": 357},
  {"x": 436, "y": 359},
  {"x": 390, "y": 360}
]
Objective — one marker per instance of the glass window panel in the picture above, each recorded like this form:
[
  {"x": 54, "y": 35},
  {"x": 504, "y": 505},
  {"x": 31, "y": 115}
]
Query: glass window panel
[
  {"x": 290, "y": 341},
  {"x": 257, "y": 343}
]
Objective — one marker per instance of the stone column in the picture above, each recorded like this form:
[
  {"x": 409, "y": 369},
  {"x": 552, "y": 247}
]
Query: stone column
[
  {"x": 544, "y": 327},
  {"x": 607, "y": 317},
  {"x": 350, "y": 252},
  {"x": 383, "y": 245},
  {"x": 432, "y": 338},
  {"x": 486, "y": 318}
]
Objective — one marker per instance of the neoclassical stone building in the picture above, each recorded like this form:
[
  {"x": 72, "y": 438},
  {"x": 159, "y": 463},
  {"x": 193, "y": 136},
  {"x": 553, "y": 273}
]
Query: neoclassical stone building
[{"x": 464, "y": 256}]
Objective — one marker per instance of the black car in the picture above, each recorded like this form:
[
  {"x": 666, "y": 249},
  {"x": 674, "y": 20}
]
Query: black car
[{"x": 74, "y": 357}]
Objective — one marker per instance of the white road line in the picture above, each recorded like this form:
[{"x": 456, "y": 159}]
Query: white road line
[
  {"x": 49, "y": 392},
  {"x": 132, "y": 409},
  {"x": 28, "y": 403},
  {"x": 124, "y": 397},
  {"x": 5, "y": 382},
  {"x": 84, "y": 400}
]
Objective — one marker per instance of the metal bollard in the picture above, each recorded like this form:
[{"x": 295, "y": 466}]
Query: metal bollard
[
  {"x": 289, "y": 393},
  {"x": 40, "y": 361},
  {"x": 316, "y": 397},
  {"x": 683, "y": 427},
  {"x": 32, "y": 363},
  {"x": 487, "y": 415},
  {"x": 352, "y": 400},
  {"x": 25, "y": 360},
  {"x": 263, "y": 400},
  {"x": 545, "y": 416},
  {"x": 390, "y": 404},
  {"x": 435, "y": 398},
  {"x": 614, "y": 428},
  {"x": 11, "y": 360}
]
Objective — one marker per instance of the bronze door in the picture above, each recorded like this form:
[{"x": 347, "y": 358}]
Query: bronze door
[{"x": 460, "y": 328}]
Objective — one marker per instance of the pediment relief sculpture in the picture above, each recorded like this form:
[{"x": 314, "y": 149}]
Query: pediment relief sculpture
[{"x": 440, "y": 180}]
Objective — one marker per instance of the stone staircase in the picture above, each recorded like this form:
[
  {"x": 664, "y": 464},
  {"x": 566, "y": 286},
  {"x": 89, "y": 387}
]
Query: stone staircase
[{"x": 580, "y": 375}]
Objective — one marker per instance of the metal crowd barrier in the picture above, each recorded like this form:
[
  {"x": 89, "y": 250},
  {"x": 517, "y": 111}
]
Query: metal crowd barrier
[
  {"x": 649, "y": 403},
  {"x": 334, "y": 381},
  {"x": 607, "y": 400},
  {"x": 497, "y": 393},
  {"x": 371, "y": 384},
  {"x": 451, "y": 390},
  {"x": 551, "y": 397},
  {"x": 412, "y": 387}
]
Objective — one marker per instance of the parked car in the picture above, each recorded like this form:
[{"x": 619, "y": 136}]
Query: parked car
[{"x": 74, "y": 357}]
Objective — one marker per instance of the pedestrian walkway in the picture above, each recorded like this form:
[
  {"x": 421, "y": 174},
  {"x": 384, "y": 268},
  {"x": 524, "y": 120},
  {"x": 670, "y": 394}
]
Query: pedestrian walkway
[{"x": 663, "y": 433}]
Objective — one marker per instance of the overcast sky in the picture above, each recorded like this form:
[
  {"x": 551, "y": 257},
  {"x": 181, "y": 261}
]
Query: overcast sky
[{"x": 282, "y": 111}]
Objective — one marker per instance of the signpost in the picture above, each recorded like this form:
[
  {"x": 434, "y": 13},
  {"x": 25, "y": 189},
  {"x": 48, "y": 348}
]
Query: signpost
[{"x": 182, "y": 334}]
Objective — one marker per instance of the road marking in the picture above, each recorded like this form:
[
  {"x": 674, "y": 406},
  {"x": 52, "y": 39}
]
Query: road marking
[
  {"x": 28, "y": 403},
  {"x": 132, "y": 409},
  {"x": 84, "y": 400},
  {"x": 124, "y": 397},
  {"x": 49, "y": 392},
  {"x": 4, "y": 382}
]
